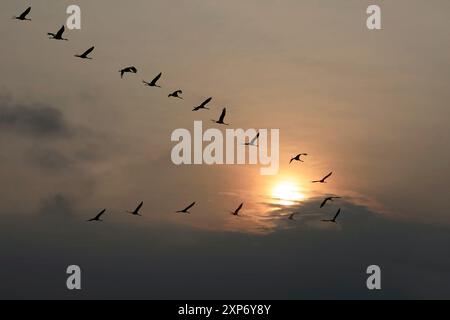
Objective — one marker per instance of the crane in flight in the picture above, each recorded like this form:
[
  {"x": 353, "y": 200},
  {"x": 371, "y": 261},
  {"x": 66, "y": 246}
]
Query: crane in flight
[
  {"x": 58, "y": 35},
  {"x": 334, "y": 218},
  {"x": 291, "y": 216},
  {"x": 85, "y": 54},
  {"x": 23, "y": 15},
  {"x": 298, "y": 157},
  {"x": 253, "y": 141},
  {"x": 176, "y": 94},
  {"x": 186, "y": 210},
  {"x": 324, "y": 202},
  {"x": 97, "y": 217},
  {"x": 323, "y": 179},
  {"x": 154, "y": 81},
  {"x": 135, "y": 212},
  {"x": 203, "y": 105},
  {"x": 221, "y": 118},
  {"x": 236, "y": 212},
  {"x": 127, "y": 70}
]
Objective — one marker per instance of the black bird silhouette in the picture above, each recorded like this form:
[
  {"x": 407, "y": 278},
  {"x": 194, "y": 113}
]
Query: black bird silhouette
[
  {"x": 222, "y": 116},
  {"x": 236, "y": 212},
  {"x": 323, "y": 179},
  {"x": 334, "y": 218},
  {"x": 324, "y": 202},
  {"x": 136, "y": 211},
  {"x": 85, "y": 54},
  {"x": 153, "y": 82},
  {"x": 176, "y": 94},
  {"x": 97, "y": 217},
  {"x": 203, "y": 105},
  {"x": 58, "y": 35},
  {"x": 185, "y": 210},
  {"x": 291, "y": 216},
  {"x": 23, "y": 15},
  {"x": 127, "y": 70},
  {"x": 298, "y": 157},
  {"x": 252, "y": 142}
]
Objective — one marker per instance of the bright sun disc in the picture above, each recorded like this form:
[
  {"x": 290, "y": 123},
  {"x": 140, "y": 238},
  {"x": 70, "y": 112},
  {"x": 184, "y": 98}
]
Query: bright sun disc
[{"x": 287, "y": 192}]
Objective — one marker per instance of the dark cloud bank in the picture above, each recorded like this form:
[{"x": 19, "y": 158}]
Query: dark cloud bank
[
  {"x": 37, "y": 120},
  {"x": 145, "y": 260}
]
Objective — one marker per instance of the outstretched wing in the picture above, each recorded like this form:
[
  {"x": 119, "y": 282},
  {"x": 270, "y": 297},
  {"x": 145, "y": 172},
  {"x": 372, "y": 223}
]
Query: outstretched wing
[
  {"x": 60, "y": 32},
  {"x": 178, "y": 92},
  {"x": 254, "y": 139},
  {"x": 139, "y": 206},
  {"x": 239, "y": 208},
  {"x": 25, "y": 13},
  {"x": 190, "y": 206},
  {"x": 337, "y": 214},
  {"x": 327, "y": 176},
  {"x": 97, "y": 217},
  {"x": 323, "y": 202},
  {"x": 86, "y": 53},
  {"x": 156, "y": 79},
  {"x": 204, "y": 103},
  {"x": 222, "y": 115}
]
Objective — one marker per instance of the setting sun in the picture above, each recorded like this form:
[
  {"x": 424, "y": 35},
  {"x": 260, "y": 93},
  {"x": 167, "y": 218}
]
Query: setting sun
[{"x": 287, "y": 193}]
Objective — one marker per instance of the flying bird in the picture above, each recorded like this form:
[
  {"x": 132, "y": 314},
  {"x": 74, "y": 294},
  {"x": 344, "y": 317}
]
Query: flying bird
[
  {"x": 203, "y": 105},
  {"x": 176, "y": 94},
  {"x": 291, "y": 216},
  {"x": 221, "y": 118},
  {"x": 85, "y": 54},
  {"x": 58, "y": 35},
  {"x": 236, "y": 212},
  {"x": 334, "y": 218},
  {"x": 127, "y": 70},
  {"x": 324, "y": 202},
  {"x": 298, "y": 157},
  {"x": 323, "y": 179},
  {"x": 136, "y": 211},
  {"x": 23, "y": 15},
  {"x": 185, "y": 210},
  {"x": 97, "y": 217},
  {"x": 252, "y": 142},
  {"x": 153, "y": 82}
]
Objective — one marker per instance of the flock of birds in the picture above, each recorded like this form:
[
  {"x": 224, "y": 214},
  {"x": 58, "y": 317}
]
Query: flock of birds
[{"x": 203, "y": 106}]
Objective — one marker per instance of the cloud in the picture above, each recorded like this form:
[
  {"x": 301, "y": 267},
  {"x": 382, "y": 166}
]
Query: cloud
[
  {"x": 58, "y": 208},
  {"x": 39, "y": 120}
]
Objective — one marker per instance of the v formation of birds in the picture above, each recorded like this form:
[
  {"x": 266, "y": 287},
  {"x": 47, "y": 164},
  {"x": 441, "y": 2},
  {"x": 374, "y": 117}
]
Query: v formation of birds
[{"x": 59, "y": 35}]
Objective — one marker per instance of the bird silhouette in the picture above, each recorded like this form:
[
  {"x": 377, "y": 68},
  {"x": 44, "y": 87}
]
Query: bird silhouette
[
  {"x": 136, "y": 211},
  {"x": 153, "y": 82},
  {"x": 291, "y": 216},
  {"x": 97, "y": 217},
  {"x": 58, "y": 35},
  {"x": 221, "y": 118},
  {"x": 252, "y": 142},
  {"x": 334, "y": 218},
  {"x": 298, "y": 157},
  {"x": 176, "y": 94},
  {"x": 236, "y": 212},
  {"x": 185, "y": 210},
  {"x": 127, "y": 70},
  {"x": 85, "y": 54},
  {"x": 324, "y": 202},
  {"x": 323, "y": 179},
  {"x": 203, "y": 105},
  {"x": 23, "y": 15}
]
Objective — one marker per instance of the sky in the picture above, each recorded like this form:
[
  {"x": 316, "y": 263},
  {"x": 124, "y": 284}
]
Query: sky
[{"x": 371, "y": 106}]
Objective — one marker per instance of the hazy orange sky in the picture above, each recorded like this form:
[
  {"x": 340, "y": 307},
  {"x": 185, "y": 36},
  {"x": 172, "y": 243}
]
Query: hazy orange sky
[{"x": 371, "y": 106}]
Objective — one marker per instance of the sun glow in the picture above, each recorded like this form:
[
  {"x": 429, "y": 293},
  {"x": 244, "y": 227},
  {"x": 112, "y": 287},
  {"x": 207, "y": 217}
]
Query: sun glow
[{"x": 287, "y": 193}]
